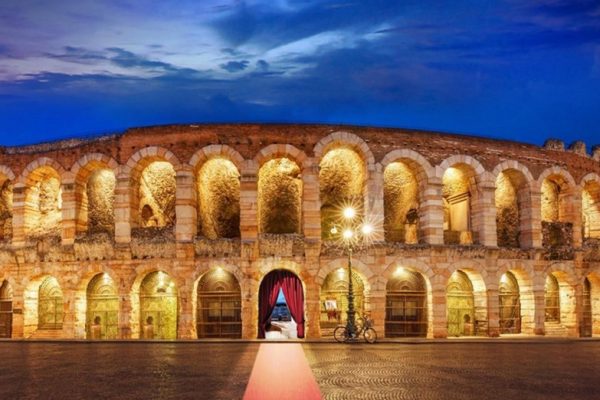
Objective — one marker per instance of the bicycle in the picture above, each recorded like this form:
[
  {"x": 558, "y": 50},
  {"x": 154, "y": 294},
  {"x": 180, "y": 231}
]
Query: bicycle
[{"x": 364, "y": 327}]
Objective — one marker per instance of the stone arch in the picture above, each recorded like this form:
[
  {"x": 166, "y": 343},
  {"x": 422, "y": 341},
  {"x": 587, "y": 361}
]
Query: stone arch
[
  {"x": 217, "y": 171},
  {"x": 590, "y": 206},
  {"x": 43, "y": 180},
  {"x": 558, "y": 190},
  {"x": 479, "y": 281},
  {"x": 274, "y": 151},
  {"x": 406, "y": 174},
  {"x": 594, "y": 302},
  {"x": 102, "y": 307},
  {"x": 567, "y": 282},
  {"x": 220, "y": 287},
  {"x": 524, "y": 275},
  {"x": 463, "y": 179},
  {"x": 6, "y": 308},
  {"x": 31, "y": 306},
  {"x": 398, "y": 268},
  {"x": 514, "y": 207},
  {"x": 95, "y": 180},
  {"x": 7, "y": 180},
  {"x": 369, "y": 278},
  {"x": 152, "y": 204},
  {"x": 345, "y": 139}
]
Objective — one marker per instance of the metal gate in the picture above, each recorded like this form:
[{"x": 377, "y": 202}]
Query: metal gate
[
  {"x": 102, "y": 321},
  {"x": 5, "y": 310},
  {"x": 587, "y": 319},
  {"x": 461, "y": 305},
  {"x": 50, "y": 305},
  {"x": 334, "y": 298},
  {"x": 552, "y": 299},
  {"x": 219, "y": 313},
  {"x": 158, "y": 307},
  {"x": 406, "y": 305},
  {"x": 510, "y": 304}
]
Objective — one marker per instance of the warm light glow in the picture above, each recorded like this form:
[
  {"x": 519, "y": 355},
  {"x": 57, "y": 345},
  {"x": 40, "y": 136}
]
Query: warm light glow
[
  {"x": 348, "y": 234},
  {"x": 503, "y": 278},
  {"x": 367, "y": 229},
  {"x": 334, "y": 231},
  {"x": 349, "y": 212}
]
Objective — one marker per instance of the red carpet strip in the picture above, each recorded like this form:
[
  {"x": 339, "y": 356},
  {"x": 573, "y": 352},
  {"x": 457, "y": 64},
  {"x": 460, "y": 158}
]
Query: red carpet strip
[{"x": 281, "y": 372}]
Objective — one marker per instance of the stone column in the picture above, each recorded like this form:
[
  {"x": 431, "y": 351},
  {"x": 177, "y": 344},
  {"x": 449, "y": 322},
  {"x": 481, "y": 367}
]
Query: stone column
[
  {"x": 539, "y": 296},
  {"x": 125, "y": 313},
  {"x": 18, "y": 219},
  {"x": 18, "y": 310},
  {"x": 250, "y": 287},
  {"x": 313, "y": 310},
  {"x": 69, "y": 317},
  {"x": 122, "y": 208},
  {"x": 493, "y": 314},
  {"x": 440, "y": 317},
  {"x": 311, "y": 203},
  {"x": 431, "y": 213},
  {"x": 185, "y": 205},
  {"x": 185, "y": 320},
  {"x": 531, "y": 219},
  {"x": 377, "y": 308},
  {"x": 69, "y": 212},
  {"x": 485, "y": 214},
  {"x": 374, "y": 206},
  {"x": 249, "y": 210},
  {"x": 572, "y": 202}
]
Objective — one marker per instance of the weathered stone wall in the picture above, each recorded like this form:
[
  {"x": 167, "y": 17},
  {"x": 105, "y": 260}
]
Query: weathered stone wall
[{"x": 182, "y": 198}]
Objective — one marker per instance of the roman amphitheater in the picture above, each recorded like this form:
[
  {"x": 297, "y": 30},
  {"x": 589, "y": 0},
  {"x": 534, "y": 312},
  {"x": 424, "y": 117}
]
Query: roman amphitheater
[{"x": 182, "y": 231}]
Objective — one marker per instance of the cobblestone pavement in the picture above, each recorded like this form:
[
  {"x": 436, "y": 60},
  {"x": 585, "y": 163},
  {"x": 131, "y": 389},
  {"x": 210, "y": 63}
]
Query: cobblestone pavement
[
  {"x": 195, "y": 370},
  {"x": 522, "y": 370},
  {"x": 127, "y": 371}
]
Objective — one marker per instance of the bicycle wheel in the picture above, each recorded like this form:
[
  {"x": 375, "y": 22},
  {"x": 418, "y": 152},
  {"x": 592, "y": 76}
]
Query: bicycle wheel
[
  {"x": 360, "y": 323},
  {"x": 370, "y": 335},
  {"x": 340, "y": 334}
]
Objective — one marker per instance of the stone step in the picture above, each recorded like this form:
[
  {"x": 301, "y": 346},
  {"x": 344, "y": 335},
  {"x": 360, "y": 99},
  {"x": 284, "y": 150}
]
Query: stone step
[
  {"x": 47, "y": 334},
  {"x": 555, "y": 329}
]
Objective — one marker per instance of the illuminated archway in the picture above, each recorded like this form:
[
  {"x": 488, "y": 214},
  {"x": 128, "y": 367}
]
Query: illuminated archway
[
  {"x": 460, "y": 305},
  {"x": 587, "y": 317},
  {"x": 552, "y": 299},
  {"x": 510, "y": 304},
  {"x": 158, "y": 307},
  {"x": 512, "y": 195},
  {"x": 459, "y": 191},
  {"x": 219, "y": 313},
  {"x": 50, "y": 305},
  {"x": 43, "y": 203},
  {"x": 6, "y": 310},
  {"x": 401, "y": 202},
  {"x": 334, "y": 299},
  {"x": 406, "y": 309},
  {"x": 102, "y": 317}
]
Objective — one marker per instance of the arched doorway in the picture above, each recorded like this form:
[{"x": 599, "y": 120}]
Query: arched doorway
[
  {"x": 102, "y": 320},
  {"x": 290, "y": 286},
  {"x": 334, "y": 299},
  {"x": 510, "y": 304},
  {"x": 219, "y": 313},
  {"x": 552, "y": 299},
  {"x": 5, "y": 310},
  {"x": 460, "y": 305},
  {"x": 406, "y": 305},
  {"x": 158, "y": 307},
  {"x": 50, "y": 305},
  {"x": 587, "y": 319}
]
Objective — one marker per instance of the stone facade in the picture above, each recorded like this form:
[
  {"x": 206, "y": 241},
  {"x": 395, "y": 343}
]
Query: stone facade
[{"x": 59, "y": 220}]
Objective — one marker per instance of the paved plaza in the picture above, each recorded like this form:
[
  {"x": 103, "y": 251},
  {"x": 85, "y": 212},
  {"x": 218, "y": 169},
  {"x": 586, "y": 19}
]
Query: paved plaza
[{"x": 201, "y": 370}]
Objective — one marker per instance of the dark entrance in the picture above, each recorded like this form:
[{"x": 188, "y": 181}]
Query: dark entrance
[
  {"x": 219, "y": 306},
  {"x": 552, "y": 299},
  {"x": 5, "y": 310},
  {"x": 586, "y": 320},
  {"x": 406, "y": 305},
  {"x": 293, "y": 292}
]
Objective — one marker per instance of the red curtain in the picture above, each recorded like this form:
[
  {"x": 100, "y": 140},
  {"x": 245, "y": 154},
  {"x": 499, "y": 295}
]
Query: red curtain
[{"x": 294, "y": 297}]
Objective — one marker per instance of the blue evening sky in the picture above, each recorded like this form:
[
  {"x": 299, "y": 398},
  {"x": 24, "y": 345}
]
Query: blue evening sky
[{"x": 524, "y": 70}]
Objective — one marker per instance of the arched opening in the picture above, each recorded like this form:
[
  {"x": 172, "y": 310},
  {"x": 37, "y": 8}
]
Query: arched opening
[
  {"x": 6, "y": 208},
  {"x": 6, "y": 310},
  {"x": 459, "y": 191},
  {"x": 43, "y": 203},
  {"x": 591, "y": 210},
  {"x": 334, "y": 299},
  {"x": 587, "y": 321},
  {"x": 50, "y": 305},
  {"x": 279, "y": 197},
  {"x": 158, "y": 307},
  {"x": 102, "y": 319},
  {"x": 510, "y": 304},
  {"x": 512, "y": 194},
  {"x": 281, "y": 286},
  {"x": 552, "y": 296},
  {"x": 460, "y": 305},
  {"x": 219, "y": 313},
  {"x": 95, "y": 196},
  {"x": 557, "y": 230},
  {"x": 154, "y": 195},
  {"x": 342, "y": 178},
  {"x": 401, "y": 203},
  {"x": 406, "y": 305},
  {"x": 218, "y": 189}
]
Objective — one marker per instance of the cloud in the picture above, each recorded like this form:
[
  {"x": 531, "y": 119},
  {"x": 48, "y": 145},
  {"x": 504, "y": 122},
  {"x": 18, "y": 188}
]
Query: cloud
[
  {"x": 235, "y": 66},
  {"x": 262, "y": 66}
]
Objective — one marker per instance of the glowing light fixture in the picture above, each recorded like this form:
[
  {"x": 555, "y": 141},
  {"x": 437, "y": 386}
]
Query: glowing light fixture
[
  {"x": 367, "y": 229},
  {"x": 349, "y": 212},
  {"x": 348, "y": 234},
  {"x": 334, "y": 230}
]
